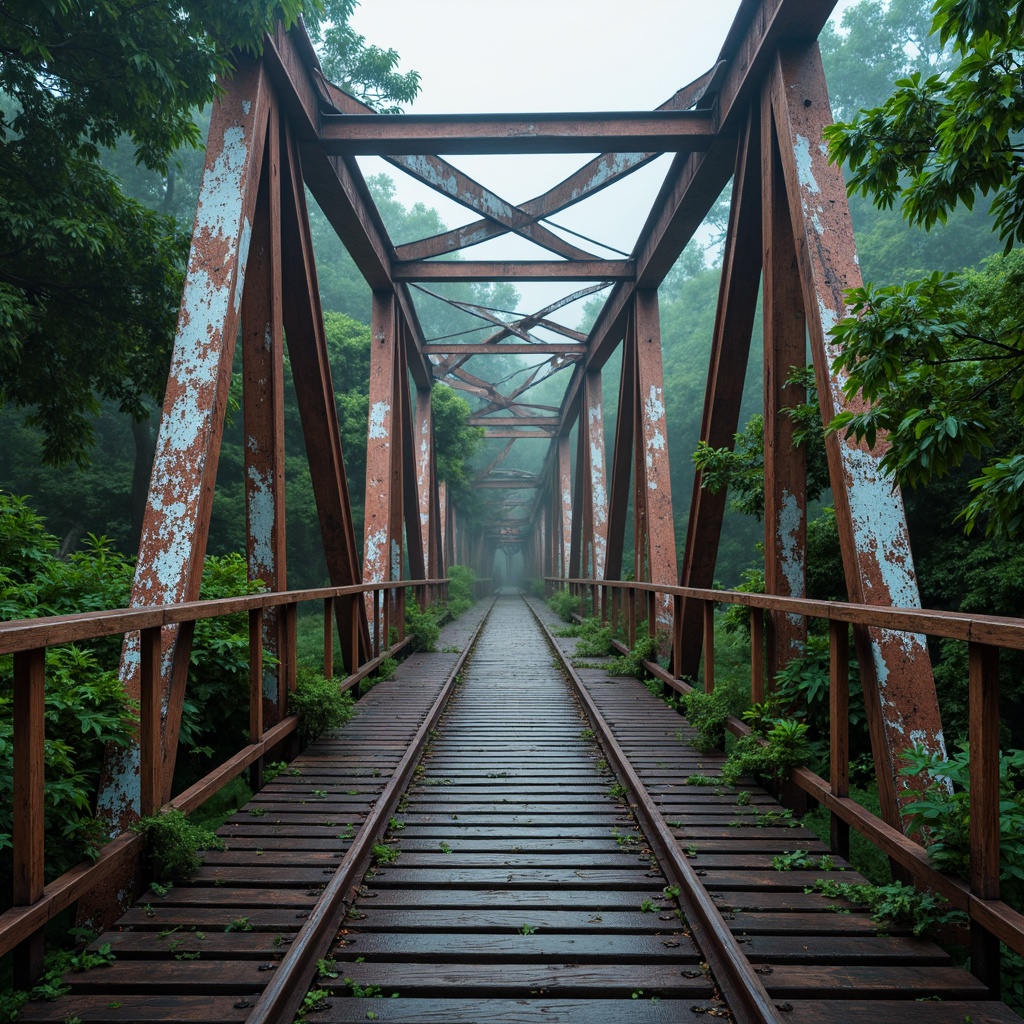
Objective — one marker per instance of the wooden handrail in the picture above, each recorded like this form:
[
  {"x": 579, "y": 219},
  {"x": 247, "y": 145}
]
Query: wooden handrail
[
  {"x": 992, "y": 920},
  {"x": 27, "y": 639}
]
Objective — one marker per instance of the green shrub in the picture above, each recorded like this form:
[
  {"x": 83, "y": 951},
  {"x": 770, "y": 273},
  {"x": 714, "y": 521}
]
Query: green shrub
[
  {"x": 422, "y": 627},
  {"x": 595, "y": 639},
  {"x": 174, "y": 842},
  {"x": 894, "y": 905},
  {"x": 943, "y": 816},
  {"x": 786, "y": 748},
  {"x": 632, "y": 663},
  {"x": 564, "y": 604},
  {"x": 320, "y": 704},
  {"x": 461, "y": 587},
  {"x": 707, "y": 713}
]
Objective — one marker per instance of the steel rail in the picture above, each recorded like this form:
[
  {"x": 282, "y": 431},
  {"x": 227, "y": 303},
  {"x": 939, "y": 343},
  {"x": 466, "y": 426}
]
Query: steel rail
[
  {"x": 282, "y": 997},
  {"x": 741, "y": 988}
]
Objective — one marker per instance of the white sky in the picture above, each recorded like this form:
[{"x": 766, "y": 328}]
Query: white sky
[{"x": 539, "y": 55}]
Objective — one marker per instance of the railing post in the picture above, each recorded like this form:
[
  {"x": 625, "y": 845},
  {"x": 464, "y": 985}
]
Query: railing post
[
  {"x": 255, "y": 694},
  {"x": 709, "y": 646},
  {"x": 631, "y": 615},
  {"x": 329, "y": 637},
  {"x": 28, "y": 807},
  {"x": 377, "y": 624},
  {"x": 677, "y": 635},
  {"x": 756, "y": 655},
  {"x": 353, "y": 625},
  {"x": 150, "y": 755},
  {"x": 652, "y": 613},
  {"x": 400, "y": 611},
  {"x": 984, "y": 747},
  {"x": 839, "y": 728},
  {"x": 288, "y": 655}
]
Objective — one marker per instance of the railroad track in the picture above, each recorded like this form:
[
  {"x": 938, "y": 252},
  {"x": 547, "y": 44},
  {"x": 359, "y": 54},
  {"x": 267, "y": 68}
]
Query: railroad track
[{"x": 486, "y": 843}]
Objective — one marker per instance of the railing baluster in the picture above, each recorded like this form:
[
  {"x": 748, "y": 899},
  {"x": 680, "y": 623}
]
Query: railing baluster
[
  {"x": 28, "y": 807},
  {"x": 839, "y": 727},
  {"x": 756, "y": 655},
  {"x": 329, "y": 637},
  {"x": 631, "y": 615},
  {"x": 355, "y": 631},
  {"x": 984, "y": 747},
  {"x": 255, "y": 693},
  {"x": 150, "y": 688},
  {"x": 288, "y": 654},
  {"x": 709, "y": 646}
]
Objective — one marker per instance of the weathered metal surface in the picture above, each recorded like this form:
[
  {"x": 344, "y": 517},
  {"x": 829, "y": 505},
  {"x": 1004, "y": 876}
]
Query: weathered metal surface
[
  {"x": 622, "y": 461},
  {"x": 661, "y": 131},
  {"x": 723, "y": 395},
  {"x": 176, "y": 521},
  {"x": 517, "y": 270},
  {"x": 785, "y": 466},
  {"x": 426, "y": 480},
  {"x": 595, "y": 490},
  {"x": 382, "y": 524},
  {"x": 651, "y": 472},
  {"x": 900, "y": 691},
  {"x": 598, "y": 174},
  {"x": 564, "y": 502},
  {"x": 263, "y": 413}
]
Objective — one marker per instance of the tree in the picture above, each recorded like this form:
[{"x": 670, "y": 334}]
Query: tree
[
  {"x": 370, "y": 73},
  {"x": 940, "y": 358},
  {"x": 89, "y": 279}
]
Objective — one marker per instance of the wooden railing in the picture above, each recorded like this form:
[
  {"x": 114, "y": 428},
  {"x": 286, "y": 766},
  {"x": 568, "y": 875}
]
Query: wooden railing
[
  {"x": 34, "y": 902},
  {"x": 991, "y": 920}
]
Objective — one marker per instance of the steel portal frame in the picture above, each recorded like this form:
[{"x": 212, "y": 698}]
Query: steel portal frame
[{"x": 756, "y": 116}]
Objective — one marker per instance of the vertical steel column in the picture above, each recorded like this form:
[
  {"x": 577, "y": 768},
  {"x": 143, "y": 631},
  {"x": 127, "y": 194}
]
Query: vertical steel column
[
  {"x": 263, "y": 415},
  {"x": 622, "y": 457},
  {"x": 895, "y": 669},
  {"x": 426, "y": 484},
  {"x": 314, "y": 393},
  {"x": 565, "y": 504},
  {"x": 651, "y": 472},
  {"x": 785, "y": 467},
  {"x": 176, "y": 522},
  {"x": 595, "y": 488},
  {"x": 382, "y": 529},
  {"x": 730, "y": 348}
]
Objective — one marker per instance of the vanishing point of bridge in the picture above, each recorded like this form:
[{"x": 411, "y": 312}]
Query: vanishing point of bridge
[{"x": 536, "y": 851}]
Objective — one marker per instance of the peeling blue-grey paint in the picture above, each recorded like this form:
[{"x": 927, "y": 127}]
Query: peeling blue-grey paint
[{"x": 378, "y": 419}]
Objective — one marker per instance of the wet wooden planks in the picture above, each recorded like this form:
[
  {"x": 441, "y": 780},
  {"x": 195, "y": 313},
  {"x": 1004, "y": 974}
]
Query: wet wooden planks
[
  {"x": 818, "y": 961},
  {"x": 523, "y": 890},
  {"x": 204, "y": 950}
]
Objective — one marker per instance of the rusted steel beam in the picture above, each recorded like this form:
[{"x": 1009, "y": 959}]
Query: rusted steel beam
[
  {"x": 661, "y": 131},
  {"x": 510, "y": 348},
  {"x": 595, "y": 550},
  {"x": 416, "y": 548},
  {"x": 382, "y": 523},
  {"x": 896, "y": 672},
  {"x": 478, "y": 420},
  {"x": 314, "y": 392},
  {"x": 696, "y": 180},
  {"x": 622, "y": 460},
  {"x": 785, "y": 466},
  {"x": 335, "y": 182},
  {"x": 263, "y": 417},
  {"x": 590, "y": 179},
  {"x": 517, "y": 270},
  {"x": 176, "y": 521},
  {"x": 426, "y": 482},
  {"x": 651, "y": 472},
  {"x": 723, "y": 395},
  {"x": 564, "y": 502},
  {"x": 518, "y": 432}
]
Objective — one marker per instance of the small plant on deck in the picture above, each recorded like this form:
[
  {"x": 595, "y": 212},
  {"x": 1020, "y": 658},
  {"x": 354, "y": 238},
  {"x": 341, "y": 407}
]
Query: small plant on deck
[
  {"x": 175, "y": 842},
  {"x": 319, "y": 703}
]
